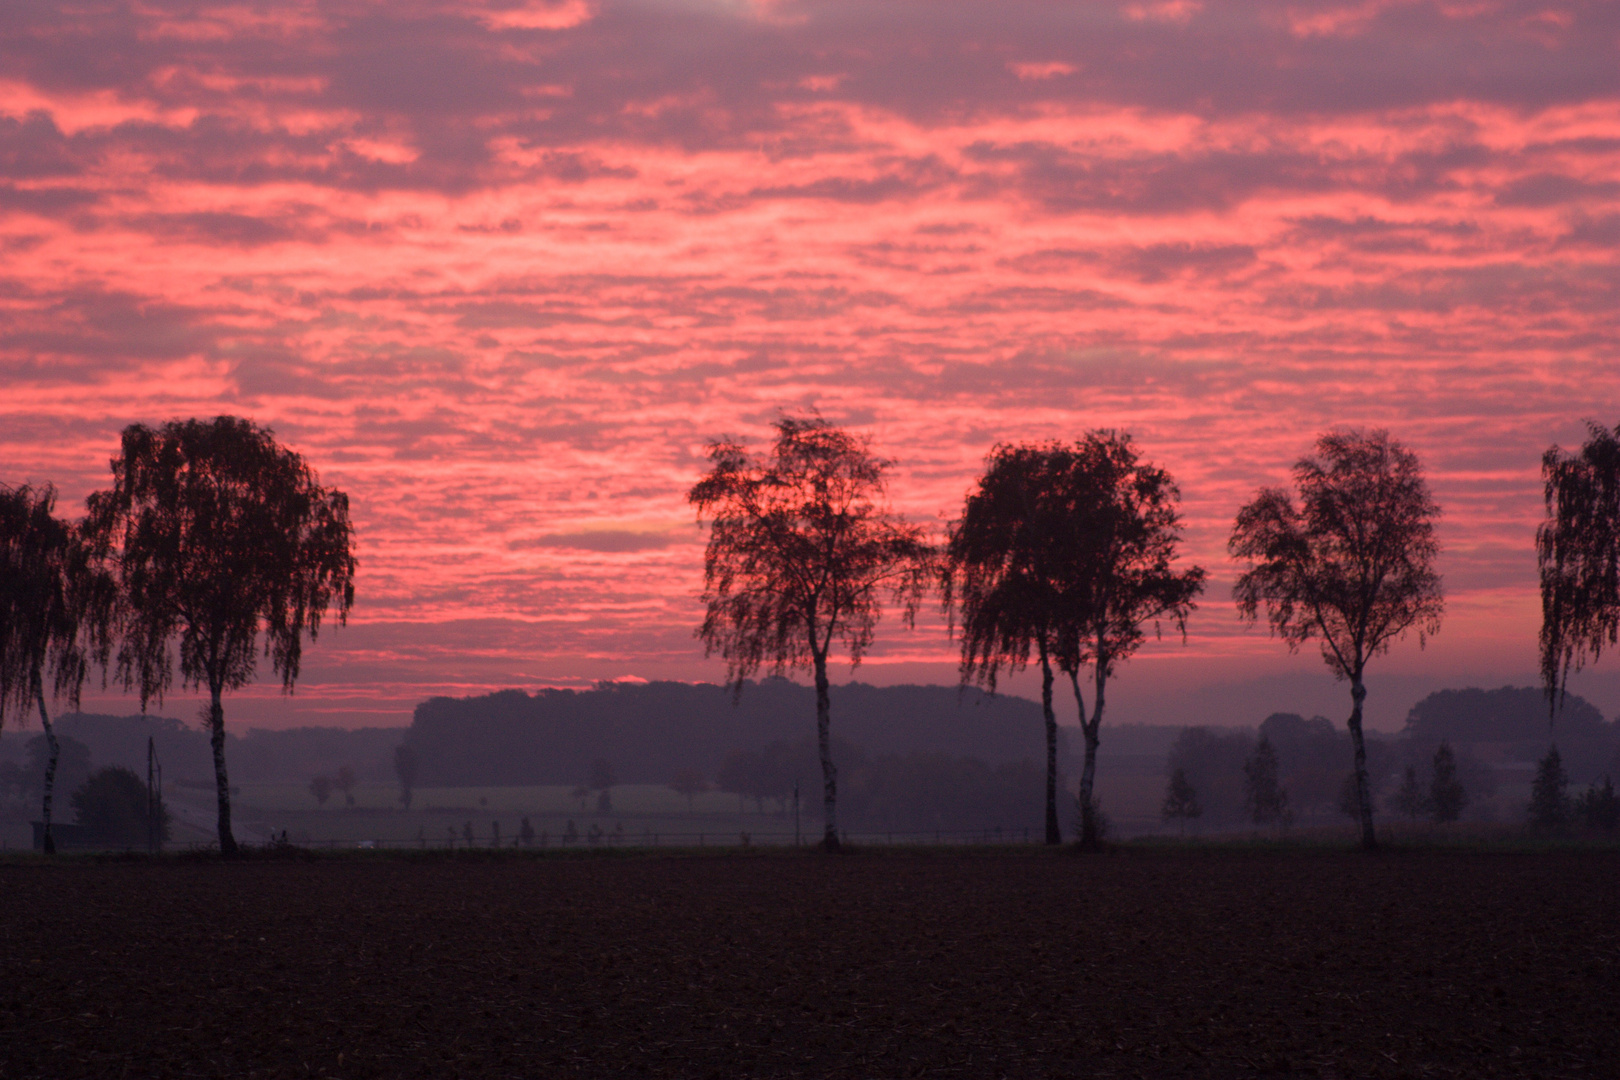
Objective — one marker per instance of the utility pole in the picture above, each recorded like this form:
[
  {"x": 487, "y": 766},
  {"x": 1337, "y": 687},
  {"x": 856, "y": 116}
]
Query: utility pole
[{"x": 795, "y": 812}]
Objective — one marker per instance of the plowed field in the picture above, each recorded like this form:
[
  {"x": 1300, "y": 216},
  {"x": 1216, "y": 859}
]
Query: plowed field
[{"x": 974, "y": 964}]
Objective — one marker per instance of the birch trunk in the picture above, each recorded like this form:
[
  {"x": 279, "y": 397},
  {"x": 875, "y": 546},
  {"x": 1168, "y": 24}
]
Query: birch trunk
[
  {"x": 1358, "y": 694},
  {"x": 1089, "y": 833},
  {"x": 50, "y": 772},
  {"x": 829, "y": 772},
  {"x": 1054, "y": 835},
  {"x": 222, "y": 786}
]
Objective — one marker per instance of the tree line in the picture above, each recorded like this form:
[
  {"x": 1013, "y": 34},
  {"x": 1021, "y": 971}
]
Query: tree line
[
  {"x": 215, "y": 545},
  {"x": 1065, "y": 554}
]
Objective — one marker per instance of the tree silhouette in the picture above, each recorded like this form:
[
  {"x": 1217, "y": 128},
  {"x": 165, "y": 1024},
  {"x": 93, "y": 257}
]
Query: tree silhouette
[
  {"x": 1000, "y": 586},
  {"x": 56, "y": 609},
  {"x": 219, "y": 535},
  {"x": 1124, "y": 529},
  {"x": 1066, "y": 551},
  {"x": 1409, "y": 799},
  {"x": 405, "y": 765},
  {"x": 112, "y": 805},
  {"x": 1263, "y": 795},
  {"x": 1352, "y": 566},
  {"x": 344, "y": 782},
  {"x": 1578, "y": 552},
  {"x": 1447, "y": 797},
  {"x": 1599, "y": 807},
  {"x": 321, "y": 788},
  {"x": 1181, "y": 800},
  {"x": 1549, "y": 799},
  {"x": 800, "y": 554}
]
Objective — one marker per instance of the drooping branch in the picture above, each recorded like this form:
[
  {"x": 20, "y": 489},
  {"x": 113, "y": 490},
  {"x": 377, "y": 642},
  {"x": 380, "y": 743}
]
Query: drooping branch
[
  {"x": 1578, "y": 555},
  {"x": 800, "y": 539}
]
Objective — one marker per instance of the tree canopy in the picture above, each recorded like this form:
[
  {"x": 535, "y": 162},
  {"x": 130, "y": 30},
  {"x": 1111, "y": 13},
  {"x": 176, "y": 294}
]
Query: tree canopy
[
  {"x": 801, "y": 552},
  {"x": 1353, "y": 565},
  {"x": 1001, "y": 562}
]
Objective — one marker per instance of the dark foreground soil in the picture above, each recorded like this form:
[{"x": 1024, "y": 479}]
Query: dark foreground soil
[{"x": 1034, "y": 963}]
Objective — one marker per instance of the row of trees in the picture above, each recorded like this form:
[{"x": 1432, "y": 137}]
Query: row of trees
[
  {"x": 213, "y": 538},
  {"x": 1266, "y": 801},
  {"x": 1065, "y": 554},
  {"x": 213, "y": 543}
]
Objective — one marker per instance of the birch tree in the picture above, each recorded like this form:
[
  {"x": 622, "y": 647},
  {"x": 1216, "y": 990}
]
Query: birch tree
[
  {"x": 802, "y": 552},
  {"x": 1122, "y": 538},
  {"x": 1065, "y": 552},
  {"x": 220, "y": 538},
  {"x": 1352, "y": 566}
]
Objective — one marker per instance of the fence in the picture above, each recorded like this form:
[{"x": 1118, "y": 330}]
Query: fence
[{"x": 649, "y": 839}]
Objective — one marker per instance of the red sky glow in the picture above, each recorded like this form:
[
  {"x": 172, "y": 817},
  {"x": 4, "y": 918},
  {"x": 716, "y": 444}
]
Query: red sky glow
[{"x": 501, "y": 269}]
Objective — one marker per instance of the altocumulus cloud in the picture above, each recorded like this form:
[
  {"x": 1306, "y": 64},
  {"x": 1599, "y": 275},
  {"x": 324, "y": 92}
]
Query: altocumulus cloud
[{"x": 501, "y": 269}]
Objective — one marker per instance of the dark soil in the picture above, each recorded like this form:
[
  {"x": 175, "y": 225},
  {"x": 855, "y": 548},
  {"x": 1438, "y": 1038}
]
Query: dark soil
[{"x": 1032, "y": 963}]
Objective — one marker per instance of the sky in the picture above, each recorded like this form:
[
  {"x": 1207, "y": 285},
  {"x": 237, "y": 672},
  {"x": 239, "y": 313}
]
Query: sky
[{"x": 502, "y": 270}]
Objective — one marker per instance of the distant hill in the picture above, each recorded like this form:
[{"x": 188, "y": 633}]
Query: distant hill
[{"x": 651, "y": 731}]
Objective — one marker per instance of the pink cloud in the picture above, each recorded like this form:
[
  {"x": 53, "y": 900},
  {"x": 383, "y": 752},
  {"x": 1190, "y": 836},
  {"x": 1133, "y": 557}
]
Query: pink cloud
[{"x": 501, "y": 269}]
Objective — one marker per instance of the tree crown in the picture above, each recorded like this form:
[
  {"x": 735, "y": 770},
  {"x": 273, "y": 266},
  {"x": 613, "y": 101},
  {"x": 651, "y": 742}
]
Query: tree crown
[
  {"x": 1353, "y": 565},
  {"x": 1069, "y": 549},
  {"x": 801, "y": 550},
  {"x": 55, "y": 601},
  {"x": 1578, "y": 553},
  {"x": 220, "y": 534}
]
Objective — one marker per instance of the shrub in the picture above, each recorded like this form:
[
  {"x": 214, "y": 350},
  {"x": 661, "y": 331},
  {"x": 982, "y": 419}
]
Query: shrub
[{"x": 112, "y": 804}]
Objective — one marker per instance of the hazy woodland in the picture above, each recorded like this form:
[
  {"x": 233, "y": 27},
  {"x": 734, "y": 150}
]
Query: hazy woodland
[{"x": 913, "y": 760}]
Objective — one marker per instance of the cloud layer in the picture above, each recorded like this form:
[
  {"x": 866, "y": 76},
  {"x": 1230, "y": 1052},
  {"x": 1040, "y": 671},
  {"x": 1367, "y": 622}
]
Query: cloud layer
[{"x": 501, "y": 269}]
